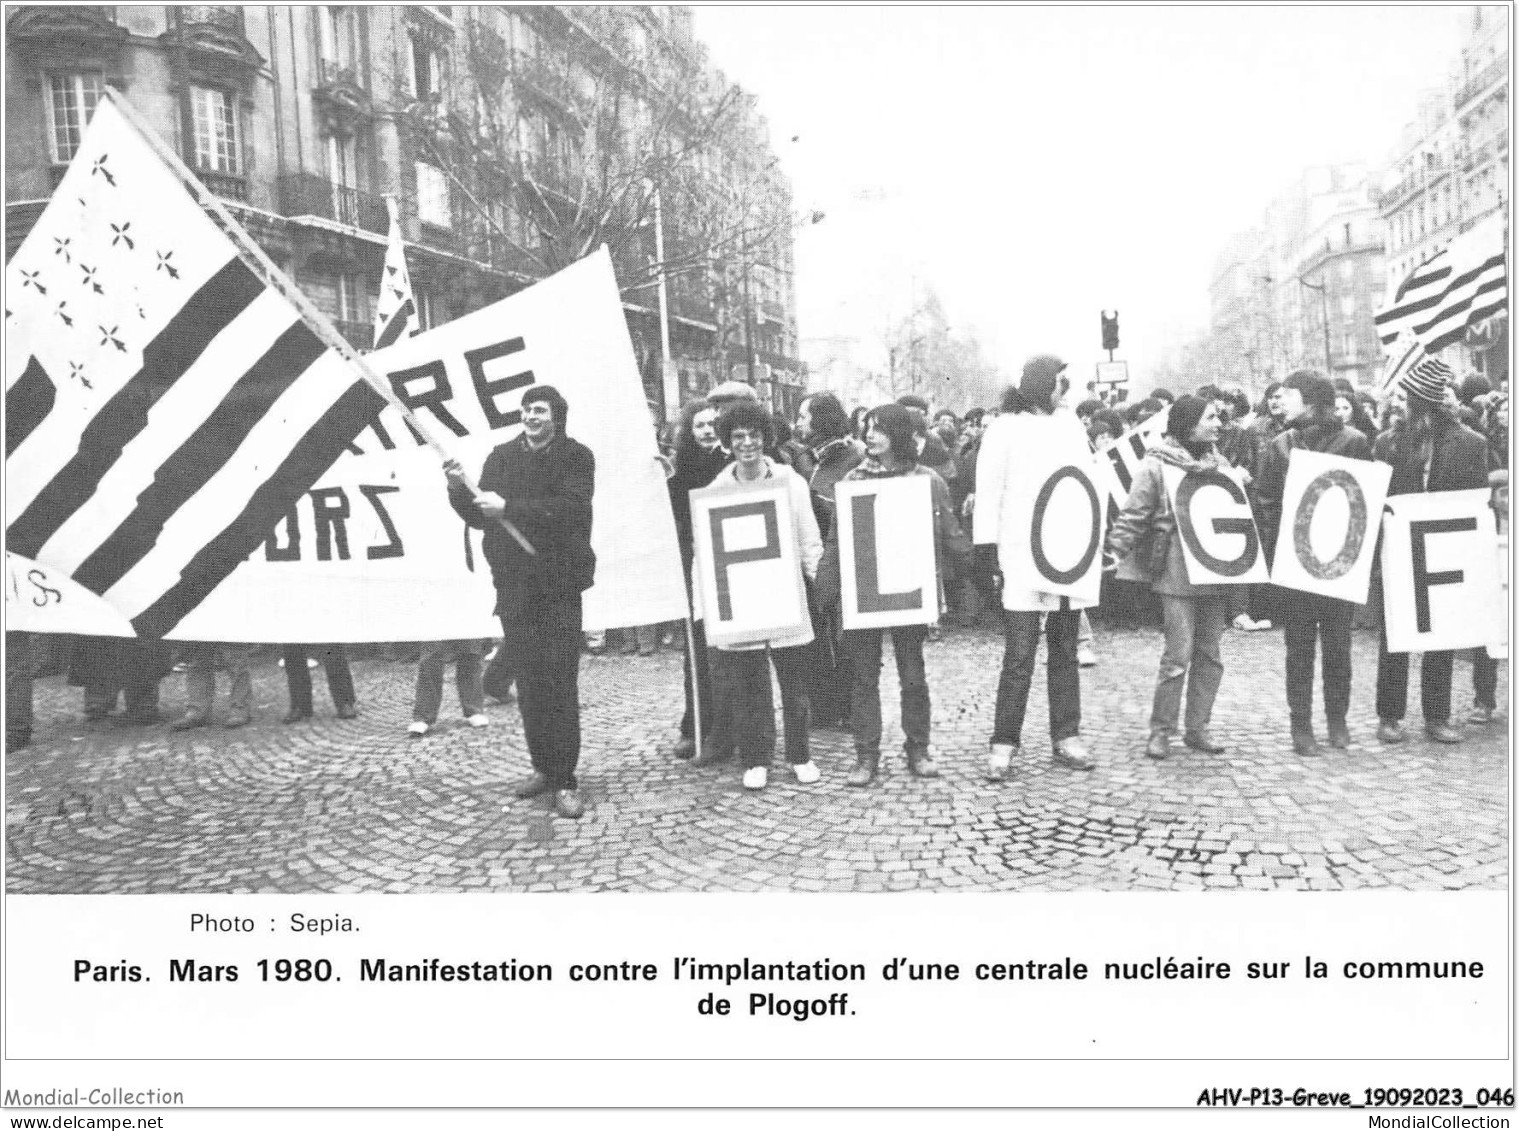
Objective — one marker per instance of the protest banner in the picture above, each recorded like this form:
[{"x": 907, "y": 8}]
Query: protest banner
[
  {"x": 41, "y": 599},
  {"x": 1331, "y": 512},
  {"x": 1441, "y": 586},
  {"x": 374, "y": 551},
  {"x": 1219, "y": 541},
  {"x": 888, "y": 575},
  {"x": 746, "y": 566}
]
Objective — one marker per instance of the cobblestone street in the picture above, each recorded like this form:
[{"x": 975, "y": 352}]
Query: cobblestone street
[{"x": 334, "y": 806}]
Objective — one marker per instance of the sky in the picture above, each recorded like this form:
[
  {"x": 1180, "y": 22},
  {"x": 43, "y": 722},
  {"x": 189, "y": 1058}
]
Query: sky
[{"x": 1037, "y": 165}]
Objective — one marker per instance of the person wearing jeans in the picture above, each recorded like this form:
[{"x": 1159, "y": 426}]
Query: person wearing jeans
[
  {"x": 467, "y": 657},
  {"x": 1019, "y": 451},
  {"x": 890, "y": 450},
  {"x": 201, "y": 661}
]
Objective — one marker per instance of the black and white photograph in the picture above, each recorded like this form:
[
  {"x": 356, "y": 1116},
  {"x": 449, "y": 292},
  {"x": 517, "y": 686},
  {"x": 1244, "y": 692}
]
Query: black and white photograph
[{"x": 802, "y": 451}]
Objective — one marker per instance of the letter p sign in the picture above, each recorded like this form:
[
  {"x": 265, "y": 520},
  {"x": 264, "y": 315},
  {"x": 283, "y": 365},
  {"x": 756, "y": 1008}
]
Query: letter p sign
[{"x": 730, "y": 546}]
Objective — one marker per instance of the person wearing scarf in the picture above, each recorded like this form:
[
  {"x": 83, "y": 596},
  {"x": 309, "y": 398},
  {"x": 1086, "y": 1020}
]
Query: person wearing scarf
[
  {"x": 1310, "y": 619},
  {"x": 1195, "y": 615},
  {"x": 1432, "y": 451}
]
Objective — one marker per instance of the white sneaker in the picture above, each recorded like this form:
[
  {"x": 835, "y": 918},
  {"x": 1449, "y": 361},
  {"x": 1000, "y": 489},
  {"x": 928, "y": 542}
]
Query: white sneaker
[
  {"x": 999, "y": 761},
  {"x": 1086, "y": 657},
  {"x": 806, "y": 772},
  {"x": 478, "y": 720},
  {"x": 755, "y": 777},
  {"x": 1244, "y": 623},
  {"x": 418, "y": 729},
  {"x": 1263, "y": 626}
]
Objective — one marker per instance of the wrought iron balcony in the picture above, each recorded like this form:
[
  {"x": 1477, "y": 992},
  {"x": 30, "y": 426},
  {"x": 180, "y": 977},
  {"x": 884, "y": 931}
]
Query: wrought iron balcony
[
  {"x": 536, "y": 76},
  {"x": 1483, "y": 79},
  {"x": 304, "y": 194},
  {"x": 227, "y": 17},
  {"x": 228, "y": 186}
]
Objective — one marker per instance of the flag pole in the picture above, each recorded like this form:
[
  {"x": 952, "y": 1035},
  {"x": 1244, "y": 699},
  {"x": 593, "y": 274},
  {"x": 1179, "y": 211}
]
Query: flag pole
[{"x": 256, "y": 258}]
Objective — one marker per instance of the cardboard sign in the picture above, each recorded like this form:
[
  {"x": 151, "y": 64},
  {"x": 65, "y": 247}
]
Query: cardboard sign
[
  {"x": 1219, "y": 541},
  {"x": 1061, "y": 553},
  {"x": 1117, "y": 466},
  {"x": 1441, "y": 586},
  {"x": 888, "y": 574},
  {"x": 1331, "y": 513},
  {"x": 746, "y": 565}
]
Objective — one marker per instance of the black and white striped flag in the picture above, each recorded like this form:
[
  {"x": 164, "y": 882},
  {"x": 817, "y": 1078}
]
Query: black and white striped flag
[
  {"x": 165, "y": 405},
  {"x": 395, "y": 314},
  {"x": 1461, "y": 286}
]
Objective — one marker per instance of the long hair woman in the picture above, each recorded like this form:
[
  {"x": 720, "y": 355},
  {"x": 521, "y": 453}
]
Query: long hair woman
[{"x": 1195, "y": 615}]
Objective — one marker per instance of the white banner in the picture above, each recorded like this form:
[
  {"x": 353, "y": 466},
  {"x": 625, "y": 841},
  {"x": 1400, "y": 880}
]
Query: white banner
[
  {"x": 746, "y": 565},
  {"x": 1441, "y": 587},
  {"x": 1331, "y": 512},
  {"x": 1219, "y": 541},
  {"x": 374, "y": 552},
  {"x": 39, "y": 598},
  {"x": 888, "y": 575},
  {"x": 1498, "y": 649}
]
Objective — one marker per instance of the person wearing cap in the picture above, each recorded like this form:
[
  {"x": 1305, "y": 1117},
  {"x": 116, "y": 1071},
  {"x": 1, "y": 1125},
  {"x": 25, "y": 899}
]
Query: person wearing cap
[
  {"x": 1195, "y": 615},
  {"x": 890, "y": 450},
  {"x": 1431, "y": 451},
  {"x": 1310, "y": 621},
  {"x": 1030, "y": 434},
  {"x": 542, "y": 483}
]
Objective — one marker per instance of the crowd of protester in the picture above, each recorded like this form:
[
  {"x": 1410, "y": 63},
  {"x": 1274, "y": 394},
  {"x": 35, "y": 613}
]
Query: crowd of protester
[{"x": 1437, "y": 433}]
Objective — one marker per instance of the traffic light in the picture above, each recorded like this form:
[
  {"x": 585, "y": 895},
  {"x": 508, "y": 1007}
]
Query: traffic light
[{"x": 1110, "y": 330}]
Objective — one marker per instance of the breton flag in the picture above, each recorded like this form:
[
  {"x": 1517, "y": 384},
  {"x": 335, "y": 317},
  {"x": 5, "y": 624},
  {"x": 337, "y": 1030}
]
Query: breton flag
[
  {"x": 395, "y": 315},
  {"x": 165, "y": 405},
  {"x": 1458, "y": 287}
]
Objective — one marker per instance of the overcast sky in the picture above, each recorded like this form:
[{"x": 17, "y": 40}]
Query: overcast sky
[{"x": 1037, "y": 165}]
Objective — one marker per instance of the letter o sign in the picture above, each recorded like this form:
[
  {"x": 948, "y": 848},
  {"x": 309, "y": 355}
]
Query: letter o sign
[
  {"x": 1355, "y": 533},
  {"x": 1036, "y": 536}
]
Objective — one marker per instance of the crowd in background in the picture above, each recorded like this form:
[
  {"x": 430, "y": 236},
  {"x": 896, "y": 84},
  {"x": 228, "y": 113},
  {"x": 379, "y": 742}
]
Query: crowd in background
[{"x": 1437, "y": 432}]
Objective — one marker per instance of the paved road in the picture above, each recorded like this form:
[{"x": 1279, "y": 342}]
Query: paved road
[{"x": 358, "y": 806}]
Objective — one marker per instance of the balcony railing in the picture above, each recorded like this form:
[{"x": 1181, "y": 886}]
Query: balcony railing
[
  {"x": 330, "y": 73},
  {"x": 547, "y": 81},
  {"x": 1483, "y": 79},
  {"x": 304, "y": 194},
  {"x": 225, "y": 16},
  {"x": 225, "y": 185},
  {"x": 774, "y": 311}
]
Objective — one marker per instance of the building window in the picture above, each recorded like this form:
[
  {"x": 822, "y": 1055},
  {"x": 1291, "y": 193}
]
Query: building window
[
  {"x": 338, "y": 35},
  {"x": 71, "y": 103},
  {"x": 215, "y": 113},
  {"x": 433, "y": 205},
  {"x": 426, "y": 69}
]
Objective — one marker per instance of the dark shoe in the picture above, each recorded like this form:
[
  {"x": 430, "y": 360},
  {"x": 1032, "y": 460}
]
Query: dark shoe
[
  {"x": 920, "y": 763},
  {"x": 1443, "y": 732},
  {"x": 1305, "y": 744},
  {"x": 96, "y": 714},
  {"x": 1339, "y": 735},
  {"x": 293, "y": 716},
  {"x": 685, "y": 749},
  {"x": 189, "y": 722},
  {"x": 348, "y": 711},
  {"x": 1481, "y": 716},
  {"x": 535, "y": 786},
  {"x": 1072, "y": 752},
  {"x": 864, "y": 772},
  {"x": 1159, "y": 746},
  {"x": 711, "y": 754},
  {"x": 1202, "y": 740},
  {"x": 236, "y": 719},
  {"x": 567, "y": 804},
  {"x": 143, "y": 718},
  {"x": 1391, "y": 732}
]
